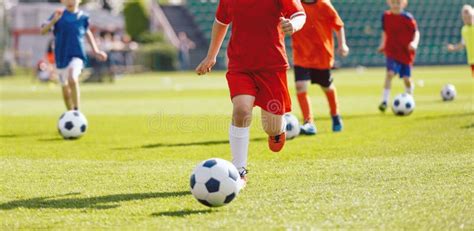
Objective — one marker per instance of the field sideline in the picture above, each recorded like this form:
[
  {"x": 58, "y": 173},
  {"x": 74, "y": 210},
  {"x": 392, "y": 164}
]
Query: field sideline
[{"x": 148, "y": 131}]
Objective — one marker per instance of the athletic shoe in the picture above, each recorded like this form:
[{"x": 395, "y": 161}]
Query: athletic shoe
[
  {"x": 243, "y": 178},
  {"x": 276, "y": 143},
  {"x": 383, "y": 106},
  {"x": 336, "y": 123},
  {"x": 308, "y": 129}
]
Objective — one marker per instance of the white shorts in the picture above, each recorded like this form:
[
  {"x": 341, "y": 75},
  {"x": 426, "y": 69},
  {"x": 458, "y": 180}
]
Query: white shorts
[{"x": 74, "y": 67}]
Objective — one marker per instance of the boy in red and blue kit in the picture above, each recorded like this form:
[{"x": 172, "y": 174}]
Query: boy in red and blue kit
[{"x": 400, "y": 40}]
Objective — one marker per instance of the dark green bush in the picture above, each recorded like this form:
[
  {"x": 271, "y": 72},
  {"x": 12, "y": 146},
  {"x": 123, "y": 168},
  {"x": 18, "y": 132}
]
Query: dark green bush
[
  {"x": 147, "y": 37},
  {"x": 136, "y": 18},
  {"x": 157, "y": 57}
]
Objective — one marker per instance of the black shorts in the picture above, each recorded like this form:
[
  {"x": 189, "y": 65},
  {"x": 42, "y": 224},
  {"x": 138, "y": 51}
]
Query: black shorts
[{"x": 321, "y": 77}]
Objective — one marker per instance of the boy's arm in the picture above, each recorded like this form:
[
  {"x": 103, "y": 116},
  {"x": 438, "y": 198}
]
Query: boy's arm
[
  {"x": 294, "y": 24},
  {"x": 219, "y": 31},
  {"x": 54, "y": 19},
  {"x": 100, "y": 54},
  {"x": 456, "y": 47},
  {"x": 415, "y": 42},
  {"x": 342, "y": 47},
  {"x": 383, "y": 39}
]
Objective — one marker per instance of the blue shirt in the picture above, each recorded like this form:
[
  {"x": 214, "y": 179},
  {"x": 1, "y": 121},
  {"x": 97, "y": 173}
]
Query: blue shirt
[{"x": 69, "y": 32}]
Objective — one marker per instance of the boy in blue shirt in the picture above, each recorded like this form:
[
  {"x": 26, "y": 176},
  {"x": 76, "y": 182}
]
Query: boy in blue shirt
[{"x": 70, "y": 26}]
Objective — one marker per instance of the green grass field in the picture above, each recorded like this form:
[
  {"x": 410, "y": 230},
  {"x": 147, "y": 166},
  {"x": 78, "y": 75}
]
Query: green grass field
[{"x": 148, "y": 131}]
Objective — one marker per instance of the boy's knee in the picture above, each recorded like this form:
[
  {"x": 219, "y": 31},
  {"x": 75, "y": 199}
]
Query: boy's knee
[
  {"x": 242, "y": 115},
  {"x": 301, "y": 86}
]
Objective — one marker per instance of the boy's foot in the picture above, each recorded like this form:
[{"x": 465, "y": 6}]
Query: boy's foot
[
  {"x": 243, "y": 178},
  {"x": 383, "y": 106},
  {"x": 308, "y": 129},
  {"x": 336, "y": 123},
  {"x": 276, "y": 143}
]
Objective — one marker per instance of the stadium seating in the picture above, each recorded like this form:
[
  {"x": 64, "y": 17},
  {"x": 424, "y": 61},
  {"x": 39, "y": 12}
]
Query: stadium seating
[{"x": 439, "y": 23}]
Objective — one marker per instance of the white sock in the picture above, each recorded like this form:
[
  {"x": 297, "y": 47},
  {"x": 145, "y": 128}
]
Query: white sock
[
  {"x": 410, "y": 90},
  {"x": 239, "y": 146},
  {"x": 386, "y": 94}
]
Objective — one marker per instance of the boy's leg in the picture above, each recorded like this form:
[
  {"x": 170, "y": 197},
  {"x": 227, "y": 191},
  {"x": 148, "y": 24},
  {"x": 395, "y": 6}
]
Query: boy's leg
[
  {"x": 274, "y": 125},
  {"x": 304, "y": 100},
  {"x": 393, "y": 68},
  {"x": 74, "y": 71},
  {"x": 405, "y": 74},
  {"x": 66, "y": 90},
  {"x": 386, "y": 90},
  {"x": 75, "y": 93},
  {"x": 409, "y": 86},
  {"x": 331, "y": 95},
  {"x": 67, "y": 97},
  {"x": 239, "y": 131},
  {"x": 303, "y": 77}
]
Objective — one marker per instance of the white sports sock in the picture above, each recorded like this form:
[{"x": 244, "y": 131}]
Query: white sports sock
[
  {"x": 410, "y": 90},
  {"x": 386, "y": 94},
  {"x": 239, "y": 146}
]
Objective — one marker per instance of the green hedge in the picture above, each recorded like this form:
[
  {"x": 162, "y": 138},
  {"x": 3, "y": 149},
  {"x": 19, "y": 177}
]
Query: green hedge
[
  {"x": 136, "y": 18},
  {"x": 157, "y": 57}
]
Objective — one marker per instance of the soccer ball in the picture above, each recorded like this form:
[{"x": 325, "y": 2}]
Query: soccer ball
[
  {"x": 72, "y": 124},
  {"x": 215, "y": 182},
  {"x": 403, "y": 104},
  {"x": 448, "y": 92},
  {"x": 292, "y": 126}
]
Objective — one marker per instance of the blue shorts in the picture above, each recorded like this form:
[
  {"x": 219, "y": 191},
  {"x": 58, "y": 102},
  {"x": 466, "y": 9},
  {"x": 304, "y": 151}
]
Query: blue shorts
[{"x": 398, "y": 68}]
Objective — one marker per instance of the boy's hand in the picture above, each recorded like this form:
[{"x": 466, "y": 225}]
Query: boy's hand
[
  {"x": 205, "y": 66},
  {"x": 343, "y": 50},
  {"x": 381, "y": 49},
  {"x": 451, "y": 47},
  {"x": 412, "y": 47},
  {"x": 57, "y": 15},
  {"x": 102, "y": 56},
  {"x": 286, "y": 26}
]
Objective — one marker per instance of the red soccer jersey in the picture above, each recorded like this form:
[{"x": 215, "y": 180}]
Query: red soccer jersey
[
  {"x": 400, "y": 31},
  {"x": 257, "y": 40}
]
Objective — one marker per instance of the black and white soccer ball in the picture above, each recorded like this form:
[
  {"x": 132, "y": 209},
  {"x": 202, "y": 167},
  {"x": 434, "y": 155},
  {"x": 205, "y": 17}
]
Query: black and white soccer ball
[
  {"x": 292, "y": 126},
  {"x": 215, "y": 182},
  {"x": 403, "y": 104},
  {"x": 72, "y": 124},
  {"x": 448, "y": 92}
]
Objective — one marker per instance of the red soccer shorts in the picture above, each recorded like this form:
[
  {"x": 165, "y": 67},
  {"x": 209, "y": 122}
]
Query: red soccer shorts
[{"x": 269, "y": 88}]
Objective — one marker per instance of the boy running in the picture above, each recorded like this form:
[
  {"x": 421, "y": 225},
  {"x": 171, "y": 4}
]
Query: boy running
[
  {"x": 400, "y": 38},
  {"x": 257, "y": 67},
  {"x": 69, "y": 27},
  {"x": 313, "y": 51},
  {"x": 467, "y": 36}
]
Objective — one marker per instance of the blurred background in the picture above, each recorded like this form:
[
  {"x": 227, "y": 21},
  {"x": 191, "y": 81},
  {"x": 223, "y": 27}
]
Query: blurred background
[{"x": 172, "y": 35}]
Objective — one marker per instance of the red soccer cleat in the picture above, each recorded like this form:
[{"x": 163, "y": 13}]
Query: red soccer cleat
[{"x": 276, "y": 143}]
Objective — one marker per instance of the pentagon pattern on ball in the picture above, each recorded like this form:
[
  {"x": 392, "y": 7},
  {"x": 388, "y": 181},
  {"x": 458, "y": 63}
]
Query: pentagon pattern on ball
[
  {"x": 212, "y": 185},
  {"x": 83, "y": 128},
  {"x": 192, "y": 181},
  {"x": 210, "y": 163},
  {"x": 68, "y": 125},
  {"x": 229, "y": 198},
  {"x": 396, "y": 103}
]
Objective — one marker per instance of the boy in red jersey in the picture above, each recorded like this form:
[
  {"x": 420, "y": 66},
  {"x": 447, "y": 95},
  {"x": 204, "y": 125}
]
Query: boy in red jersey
[
  {"x": 400, "y": 40},
  {"x": 257, "y": 67},
  {"x": 313, "y": 51}
]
